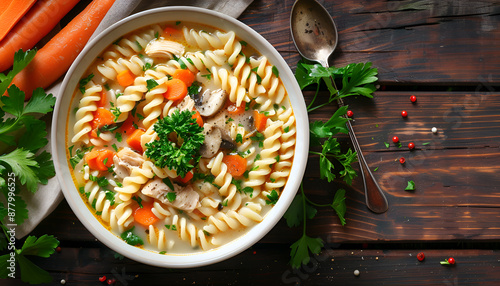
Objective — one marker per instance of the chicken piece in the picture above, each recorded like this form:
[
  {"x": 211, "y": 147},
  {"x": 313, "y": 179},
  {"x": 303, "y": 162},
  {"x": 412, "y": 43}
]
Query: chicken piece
[
  {"x": 125, "y": 160},
  {"x": 186, "y": 199},
  {"x": 187, "y": 103},
  {"x": 161, "y": 48}
]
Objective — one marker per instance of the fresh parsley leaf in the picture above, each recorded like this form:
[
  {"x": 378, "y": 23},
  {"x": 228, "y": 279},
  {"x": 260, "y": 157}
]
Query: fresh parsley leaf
[
  {"x": 339, "y": 206},
  {"x": 295, "y": 214},
  {"x": 131, "y": 238},
  {"x": 138, "y": 200},
  {"x": 276, "y": 72},
  {"x": 336, "y": 124},
  {"x": 410, "y": 186},
  {"x": 171, "y": 196},
  {"x": 387, "y": 145},
  {"x": 165, "y": 153},
  {"x": 300, "y": 250},
  {"x": 83, "y": 82},
  {"x": 21, "y": 60},
  {"x": 272, "y": 198},
  {"x": 151, "y": 83}
]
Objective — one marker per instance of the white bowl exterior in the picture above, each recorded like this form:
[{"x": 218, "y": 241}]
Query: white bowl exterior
[{"x": 70, "y": 83}]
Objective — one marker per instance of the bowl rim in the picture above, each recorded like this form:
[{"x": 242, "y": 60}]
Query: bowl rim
[{"x": 79, "y": 206}]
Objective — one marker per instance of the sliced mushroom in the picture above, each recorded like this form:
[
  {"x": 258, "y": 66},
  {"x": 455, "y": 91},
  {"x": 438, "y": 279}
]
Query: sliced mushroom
[
  {"x": 211, "y": 101},
  {"x": 124, "y": 160},
  {"x": 161, "y": 48},
  {"x": 213, "y": 140},
  {"x": 186, "y": 198}
]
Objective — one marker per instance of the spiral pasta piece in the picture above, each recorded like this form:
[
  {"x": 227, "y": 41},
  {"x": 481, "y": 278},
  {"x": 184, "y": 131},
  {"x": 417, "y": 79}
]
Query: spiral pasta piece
[
  {"x": 112, "y": 67},
  {"x": 133, "y": 44},
  {"x": 133, "y": 183},
  {"x": 244, "y": 217},
  {"x": 84, "y": 114},
  {"x": 219, "y": 170}
]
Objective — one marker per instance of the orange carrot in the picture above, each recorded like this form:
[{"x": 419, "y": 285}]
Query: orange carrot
[
  {"x": 185, "y": 75},
  {"x": 170, "y": 31},
  {"x": 176, "y": 89},
  {"x": 102, "y": 102},
  {"x": 134, "y": 140},
  {"x": 99, "y": 160},
  {"x": 259, "y": 120},
  {"x": 54, "y": 59},
  {"x": 236, "y": 165},
  {"x": 144, "y": 215},
  {"x": 38, "y": 22},
  {"x": 102, "y": 117},
  {"x": 11, "y": 13},
  {"x": 105, "y": 159},
  {"x": 91, "y": 159},
  {"x": 235, "y": 110},
  {"x": 189, "y": 175},
  {"x": 198, "y": 118},
  {"x": 125, "y": 78},
  {"x": 128, "y": 125}
]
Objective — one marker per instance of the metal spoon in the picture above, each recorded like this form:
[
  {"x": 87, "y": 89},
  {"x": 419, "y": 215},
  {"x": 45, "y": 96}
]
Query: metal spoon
[{"x": 315, "y": 36}]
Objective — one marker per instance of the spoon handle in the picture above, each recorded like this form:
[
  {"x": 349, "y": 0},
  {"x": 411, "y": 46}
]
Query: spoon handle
[{"x": 375, "y": 198}]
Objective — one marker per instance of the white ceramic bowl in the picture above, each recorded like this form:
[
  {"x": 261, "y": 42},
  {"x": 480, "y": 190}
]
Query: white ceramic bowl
[{"x": 62, "y": 110}]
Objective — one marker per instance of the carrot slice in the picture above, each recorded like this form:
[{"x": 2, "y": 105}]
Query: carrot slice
[
  {"x": 125, "y": 78},
  {"x": 233, "y": 109},
  {"x": 105, "y": 159},
  {"x": 36, "y": 23},
  {"x": 145, "y": 215},
  {"x": 171, "y": 31},
  {"x": 134, "y": 140},
  {"x": 128, "y": 125},
  {"x": 198, "y": 118},
  {"x": 102, "y": 102},
  {"x": 91, "y": 159},
  {"x": 13, "y": 11},
  {"x": 260, "y": 121},
  {"x": 186, "y": 76},
  {"x": 189, "y": 175},
  {"x": 236, "y": 165},
  {"x": 54, "y": 59},
  {"x": 102, "y": 117},
  {"x": 176, "y": 89}
]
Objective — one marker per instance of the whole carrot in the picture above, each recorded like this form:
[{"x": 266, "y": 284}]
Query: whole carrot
[
  {"x": 36, "y": 23},
  {"x": 54, "y": 59}
]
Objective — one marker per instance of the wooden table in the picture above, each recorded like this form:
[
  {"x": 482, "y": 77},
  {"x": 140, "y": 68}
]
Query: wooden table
[{"x": 447, "y": 54}]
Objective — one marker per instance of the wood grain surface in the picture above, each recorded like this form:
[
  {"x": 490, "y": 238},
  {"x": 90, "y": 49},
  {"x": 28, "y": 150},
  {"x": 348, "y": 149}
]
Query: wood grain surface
[{"x": 444, "y": 52}]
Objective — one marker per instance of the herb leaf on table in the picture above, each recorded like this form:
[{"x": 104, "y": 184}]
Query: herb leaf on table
[
  {"x": 357, "y": 79},
  {"x": 22, "y": 164}
]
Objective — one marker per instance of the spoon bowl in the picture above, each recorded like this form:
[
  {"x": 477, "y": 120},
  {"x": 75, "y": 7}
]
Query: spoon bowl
[{"x": 315, "y": 36}]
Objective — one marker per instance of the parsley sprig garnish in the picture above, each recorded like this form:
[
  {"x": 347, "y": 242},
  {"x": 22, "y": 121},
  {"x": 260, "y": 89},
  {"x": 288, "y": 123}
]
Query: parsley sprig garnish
[
  {"x": 357, "y": 79},
  {"x": 22, "y": 164},
  {"x": 182, "y": 155}
]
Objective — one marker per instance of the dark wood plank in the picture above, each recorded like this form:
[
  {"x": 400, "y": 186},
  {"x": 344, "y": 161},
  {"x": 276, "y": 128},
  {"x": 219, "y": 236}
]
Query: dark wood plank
[
  {"x": 267, "y": 265},
  {"x": 411, "y": 42}
]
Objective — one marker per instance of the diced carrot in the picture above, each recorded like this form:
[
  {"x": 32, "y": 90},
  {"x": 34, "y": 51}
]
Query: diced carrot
[
  {"x": 128, "y": 125},
  {"x": 102, "y": 102},
  {"x": 186, "y": 178},
  {"x": 134, "y": 140},
  {"x": 171, "y": 31},
  {"x": 145, "y": 215},
  {"x": 105, "y": 159},
  {"x": 236, "y": 165},
  {"x": 176, "y": 89},
  {"x": 102, "y": 117},
  {"x": 259, "y": 121},
  {"x": 198, "y": 118},
  {"x": 91, "y": 159},
  {"x": 11, "y": 12},
  {"x": 233, "y": 109},
  {"x": 125, "y": 78},
  {"x": 185, "y": 75}
]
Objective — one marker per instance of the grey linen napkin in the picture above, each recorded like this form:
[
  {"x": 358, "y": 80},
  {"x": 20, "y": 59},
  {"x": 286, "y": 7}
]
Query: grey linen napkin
[{"x": 46, "y": 199}]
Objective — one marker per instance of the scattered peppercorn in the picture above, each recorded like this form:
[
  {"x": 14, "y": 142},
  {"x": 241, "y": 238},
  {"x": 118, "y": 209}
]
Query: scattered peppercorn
[
  {"x": 451, "y": 260},
  {"x": 413, "y": 98},
  {"x": 58, "y": 249},
  {"x": 420, "y": 256},
  {"x": 404, "y": 113},
  {"x": 411, "y": 145},
  {"x": 402, "y": 160},
  {"x": 111, "y": 281},
  {"x": 395, "y": 139},
  {"x": 349, "y": 113}
]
